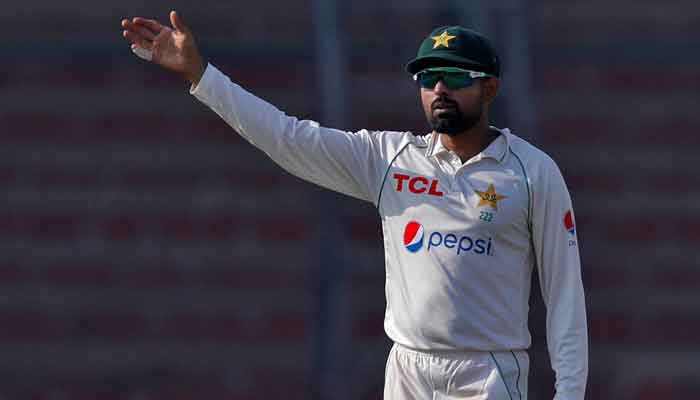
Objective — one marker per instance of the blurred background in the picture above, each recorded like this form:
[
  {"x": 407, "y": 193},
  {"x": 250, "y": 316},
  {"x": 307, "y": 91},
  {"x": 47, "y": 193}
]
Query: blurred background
[{"x": 148, "y": 253}]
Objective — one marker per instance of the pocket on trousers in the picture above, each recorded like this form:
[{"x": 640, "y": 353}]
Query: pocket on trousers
[
  {"x": 503, "y": 382},
  {"x": 470, "y": 380}
]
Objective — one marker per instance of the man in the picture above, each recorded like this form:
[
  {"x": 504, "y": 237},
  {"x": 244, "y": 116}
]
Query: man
[{"x": 468, "y": 211}]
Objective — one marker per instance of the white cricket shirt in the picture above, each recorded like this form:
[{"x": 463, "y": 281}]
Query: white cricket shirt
[{"x": 461, "y": 239}]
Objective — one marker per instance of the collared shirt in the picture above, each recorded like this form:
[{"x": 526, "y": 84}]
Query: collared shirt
[
  {"x": 461, "y": 239},
  {"x": 497, "y": 149}
]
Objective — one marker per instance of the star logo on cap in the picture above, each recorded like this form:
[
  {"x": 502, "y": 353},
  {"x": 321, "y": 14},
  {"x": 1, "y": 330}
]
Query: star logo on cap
[
  {"x": 442, "y": 40},
  {"x": 489, "y": 197}
]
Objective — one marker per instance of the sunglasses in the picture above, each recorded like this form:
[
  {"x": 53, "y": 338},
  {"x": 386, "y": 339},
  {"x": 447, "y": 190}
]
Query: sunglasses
[{"x": 454, "y": 78}]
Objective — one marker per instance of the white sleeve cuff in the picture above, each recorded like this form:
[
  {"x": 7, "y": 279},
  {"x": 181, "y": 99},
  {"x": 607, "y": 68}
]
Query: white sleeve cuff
[{"x": 204, "y": 82}]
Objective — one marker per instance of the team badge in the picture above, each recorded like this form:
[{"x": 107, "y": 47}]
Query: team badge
[
  {"x": 489, "y": 197},
  {"x": 442, "y": 40}
]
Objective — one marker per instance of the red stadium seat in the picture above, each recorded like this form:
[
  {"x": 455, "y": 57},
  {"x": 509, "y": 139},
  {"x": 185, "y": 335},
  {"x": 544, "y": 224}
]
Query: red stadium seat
[
  {"x": 595, "y": 181},
  {"x": 252, "y": 278},
  {"x": 160, "y": 178},
  {"x": 44, "y": 226},
  {"x": 622, "y": 228},
  {"x": 190, "y": 227},
  {"x": 79, "y": 273},
  {"x": 577, "y": 129},
  {"x": 152, "y": 277},
  {"x": 121, "y": 227},
  {"x": 10, "y": 224},
  {"x": 105, "y": 394},
  {"x": 8, "y": 175},
  {"x": 58, "y": 176},
  {"x": 12, "y": 273},
  {"x": 688, "y": 229},
  {"x": 255, "y": 179},
  {"x": 288, "y": 327},
  {"x": 679, "y": 328},
  {"x": 676, "y": 277},
  {"x": 604, "y": 274},
  {"x": 614, "y": 328},
  {"x": 288, "y": 383},
  {"x": 671, "y": 388},
  {"x": 179, "y": 227},
  {"x": 368, "y": 327},
  {"x": 367, "y": 229},
  {"x": 27, "y": 326},
  {"x": 221, "y": 226},
  {"x": 283, "y": 228},
  {"x": 112, "y": 325},
  {"x": 36, "y": 126},
  {"x": 197, "y": 327},
  {"x": 211, "y": 128}
]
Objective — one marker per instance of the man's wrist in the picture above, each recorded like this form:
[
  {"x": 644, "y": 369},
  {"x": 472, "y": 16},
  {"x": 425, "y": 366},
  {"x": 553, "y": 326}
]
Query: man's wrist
[{"x": 196, "y": 73}]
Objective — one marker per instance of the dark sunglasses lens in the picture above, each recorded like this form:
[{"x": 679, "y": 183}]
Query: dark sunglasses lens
[
  {"x": 428, "y": 79},
  {"x": 458, "y": 80}
]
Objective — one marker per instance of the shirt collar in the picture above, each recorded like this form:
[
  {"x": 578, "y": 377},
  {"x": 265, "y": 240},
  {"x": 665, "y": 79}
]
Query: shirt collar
[{"x": 497, "y": 150}]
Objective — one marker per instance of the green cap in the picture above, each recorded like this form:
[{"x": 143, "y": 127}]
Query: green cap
[{"x": 454, "y": 46}]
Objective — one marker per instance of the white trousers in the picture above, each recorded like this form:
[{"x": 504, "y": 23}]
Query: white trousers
[{"x": 451, "y": 375}]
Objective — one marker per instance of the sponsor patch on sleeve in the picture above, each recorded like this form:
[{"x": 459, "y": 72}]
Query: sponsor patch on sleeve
[{"x": 570, "y": 227}]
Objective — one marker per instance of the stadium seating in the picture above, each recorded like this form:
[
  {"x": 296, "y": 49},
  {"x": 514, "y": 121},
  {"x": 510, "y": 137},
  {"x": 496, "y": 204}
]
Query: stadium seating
[{"x": 148, "y": 252}]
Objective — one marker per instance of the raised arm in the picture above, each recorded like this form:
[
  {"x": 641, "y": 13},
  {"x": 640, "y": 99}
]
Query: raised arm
[{"x": 352, "y": 163}]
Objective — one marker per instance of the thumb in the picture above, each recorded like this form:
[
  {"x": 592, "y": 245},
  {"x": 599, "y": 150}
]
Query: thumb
[{"x": 177, "y": 22}]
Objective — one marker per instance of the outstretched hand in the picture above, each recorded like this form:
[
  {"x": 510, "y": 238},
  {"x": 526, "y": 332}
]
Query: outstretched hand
[{"x": 173, "y": 48}]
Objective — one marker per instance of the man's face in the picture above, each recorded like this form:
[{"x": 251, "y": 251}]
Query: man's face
[{"x": 453, "y": 111}]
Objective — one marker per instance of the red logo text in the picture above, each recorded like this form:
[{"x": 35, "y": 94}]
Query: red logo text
[{"x": 417, "y": 185}]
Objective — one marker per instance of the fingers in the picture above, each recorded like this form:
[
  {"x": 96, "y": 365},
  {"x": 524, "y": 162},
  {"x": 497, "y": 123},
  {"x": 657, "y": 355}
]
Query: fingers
[
  {"x": 138, "y": 40},
  {"x": 153, "y": 25},
  {"x": 140, "y": 30},
  {"x": 177, "y": 22}
]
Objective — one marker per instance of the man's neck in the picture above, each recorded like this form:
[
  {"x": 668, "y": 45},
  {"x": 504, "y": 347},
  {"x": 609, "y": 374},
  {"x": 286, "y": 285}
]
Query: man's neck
[{"x": 469, "y": 143}]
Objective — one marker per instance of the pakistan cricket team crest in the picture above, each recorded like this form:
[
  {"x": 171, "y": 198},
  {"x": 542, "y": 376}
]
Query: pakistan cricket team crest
[
  {"x": 442, "y": 40},
  {"x": 489, "y": 197}
]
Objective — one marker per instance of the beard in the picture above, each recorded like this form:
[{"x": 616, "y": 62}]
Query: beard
[{"x": 452, "y": 120}]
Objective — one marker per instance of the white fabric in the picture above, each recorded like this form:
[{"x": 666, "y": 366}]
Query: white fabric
[
  {"x": 453, "y": 375},
  {"x": 461, "y": 239},
  {"x": 142, "y": 53}
]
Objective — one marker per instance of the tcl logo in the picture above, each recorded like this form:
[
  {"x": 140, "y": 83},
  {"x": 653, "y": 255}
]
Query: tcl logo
[{"x": 417, "y": 184}]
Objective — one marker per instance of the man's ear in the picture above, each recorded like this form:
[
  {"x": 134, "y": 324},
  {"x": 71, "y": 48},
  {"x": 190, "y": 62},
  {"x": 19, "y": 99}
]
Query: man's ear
[{"x": 490, "y": 89}]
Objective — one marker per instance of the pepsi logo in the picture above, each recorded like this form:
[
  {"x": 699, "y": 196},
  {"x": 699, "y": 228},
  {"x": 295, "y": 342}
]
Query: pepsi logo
[
  {"x": 569, "y": 222},
  {"x": 413, "y": 236}
]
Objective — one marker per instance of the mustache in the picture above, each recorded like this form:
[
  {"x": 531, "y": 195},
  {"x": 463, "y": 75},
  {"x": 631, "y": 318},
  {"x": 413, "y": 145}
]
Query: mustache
[{"x": 443, "y": 102}]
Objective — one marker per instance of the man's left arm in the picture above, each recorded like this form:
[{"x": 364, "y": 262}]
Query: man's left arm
[{"x": 559, "y": 268}]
